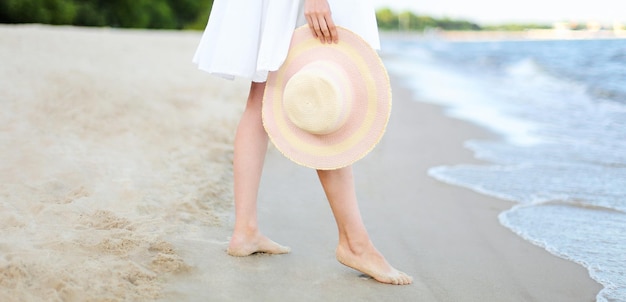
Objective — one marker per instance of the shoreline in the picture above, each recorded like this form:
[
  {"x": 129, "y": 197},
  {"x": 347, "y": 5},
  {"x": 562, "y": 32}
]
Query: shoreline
[
  {"x": 449, "y": 238},
  {"x": 115, "y": 141}
]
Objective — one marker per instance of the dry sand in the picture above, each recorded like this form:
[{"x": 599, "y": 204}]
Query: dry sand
[
  {"x": 111, "y": 142},
  {"x": 115, "y": 184}
]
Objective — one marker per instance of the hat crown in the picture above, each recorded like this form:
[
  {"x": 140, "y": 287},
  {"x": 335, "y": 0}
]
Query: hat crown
[
  {"x": 316, "y": 99},
  {"x": 351, "y": 83}
]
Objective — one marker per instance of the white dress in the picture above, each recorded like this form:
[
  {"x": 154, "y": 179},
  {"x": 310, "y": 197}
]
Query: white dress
[{"x": 249, "y": 38}]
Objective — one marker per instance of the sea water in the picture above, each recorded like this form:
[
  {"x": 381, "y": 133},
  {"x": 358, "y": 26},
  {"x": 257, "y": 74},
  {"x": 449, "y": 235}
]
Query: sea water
[{"x": 559, "y": 107}]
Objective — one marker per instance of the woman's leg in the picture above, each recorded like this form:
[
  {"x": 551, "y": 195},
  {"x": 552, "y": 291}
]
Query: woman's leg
[
  {"x": 355, "y": 249},
  {"x": 249, "y": 156}
]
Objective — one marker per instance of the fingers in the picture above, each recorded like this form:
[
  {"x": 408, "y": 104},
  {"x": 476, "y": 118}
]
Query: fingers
[
  {"x": 320, "y": 21},
  {"x": 332, "y": 31},
  {"x": 315, "y": 27},
  {"x": 325, "y": 37},
  {"x": 323, "y": 29}
]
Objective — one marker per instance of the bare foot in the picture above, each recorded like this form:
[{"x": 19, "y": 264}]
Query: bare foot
[
  {"x": 241, "y": 246},
  {"x": 372, "y": 263}
]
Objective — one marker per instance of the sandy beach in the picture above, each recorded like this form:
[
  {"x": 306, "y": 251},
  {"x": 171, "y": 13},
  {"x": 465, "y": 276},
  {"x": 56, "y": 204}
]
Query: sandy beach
[{"x": 115, "y": 185}]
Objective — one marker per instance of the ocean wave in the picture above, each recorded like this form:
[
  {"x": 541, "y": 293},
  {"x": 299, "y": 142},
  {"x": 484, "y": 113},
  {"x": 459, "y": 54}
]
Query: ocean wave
[
  {"x": 561, "y": 111},
  {"x": 591, "y": 236}
]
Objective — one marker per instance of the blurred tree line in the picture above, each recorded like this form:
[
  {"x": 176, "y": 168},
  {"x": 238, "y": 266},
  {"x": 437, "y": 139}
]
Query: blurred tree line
[
  {"x": 166, "y": 14},
  {"x": 390, "y": 20},
  {"x": 516, "y": 27},
  {"x": 185, "y": 14}
]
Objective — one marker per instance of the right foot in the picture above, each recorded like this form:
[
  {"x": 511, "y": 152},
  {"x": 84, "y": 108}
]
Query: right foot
[
  {"x": 241, "y": 246},
  {"x": 372, "y": 263}
]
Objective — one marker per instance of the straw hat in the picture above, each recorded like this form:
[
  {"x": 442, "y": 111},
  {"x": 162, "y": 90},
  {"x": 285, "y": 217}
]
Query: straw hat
[{"x": 329, "y": 104}]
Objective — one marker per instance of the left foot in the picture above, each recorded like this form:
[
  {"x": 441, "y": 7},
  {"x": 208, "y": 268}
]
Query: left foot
[
  {"x": 372, "y": 263},
  {"x": 248, "y": 244}
]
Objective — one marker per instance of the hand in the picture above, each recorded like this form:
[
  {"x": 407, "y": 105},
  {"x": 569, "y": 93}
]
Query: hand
[{"x": 321, "y": 23}]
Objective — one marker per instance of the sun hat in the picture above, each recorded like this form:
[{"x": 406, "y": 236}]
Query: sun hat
[{"x": 328, "y": 105}]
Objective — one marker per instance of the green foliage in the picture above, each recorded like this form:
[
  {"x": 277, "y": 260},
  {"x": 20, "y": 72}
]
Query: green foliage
[
  {"x": 448, "y": 24},
  {"x": 60, "y": 11},
  {"x": 201, "y": 16},
  {"x": 44, "y": 11},
  {"x": 89, "y": 14},
  {"x": 187, "y": 14},
  {"x": 408, "y": 21},
  {"x": 170, "y": 14},
  {"x": 516, "y": 27},
  {"x": 389, "y": 20},
  {"x": 188, "y": 11}
]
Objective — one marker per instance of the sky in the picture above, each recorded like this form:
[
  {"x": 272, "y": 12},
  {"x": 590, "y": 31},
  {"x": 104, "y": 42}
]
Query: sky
[{"x": 502, "y": 11}]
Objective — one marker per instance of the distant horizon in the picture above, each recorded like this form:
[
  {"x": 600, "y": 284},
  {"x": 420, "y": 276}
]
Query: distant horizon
[{"x": 489, "y": 12}]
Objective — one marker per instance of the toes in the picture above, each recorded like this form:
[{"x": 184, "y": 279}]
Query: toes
[
  {"x": 272, "y": 247},
  {"x": 406, "y": 279},
  {"x": 402, "y": 279},
  {"x": 280, "y": 250},
  {"x": 252, "y": 245}
]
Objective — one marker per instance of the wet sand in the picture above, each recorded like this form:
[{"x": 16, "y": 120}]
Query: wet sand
[{"x": 115, "y": 184}]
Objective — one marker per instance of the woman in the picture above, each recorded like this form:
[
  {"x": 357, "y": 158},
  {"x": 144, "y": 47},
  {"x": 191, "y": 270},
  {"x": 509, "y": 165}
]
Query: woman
[{"x": 249, "y": 38}]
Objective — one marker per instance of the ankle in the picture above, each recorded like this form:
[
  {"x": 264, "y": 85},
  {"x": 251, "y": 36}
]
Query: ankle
[
  {"x": 355, "y": 246},
  {"x": 245, "y": 230}
]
